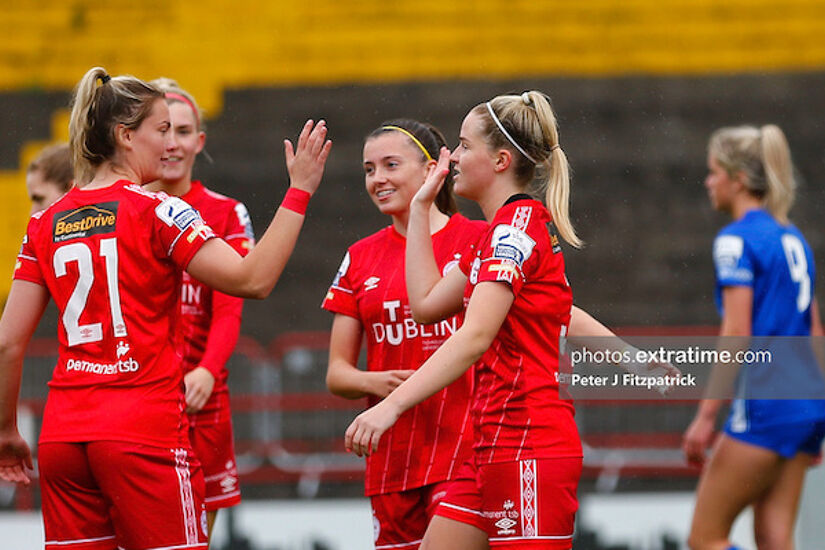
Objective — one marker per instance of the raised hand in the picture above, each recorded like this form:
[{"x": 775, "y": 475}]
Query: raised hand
[
  {"x": 306, "y": 162},
  {"x": 436, "y": 176}
]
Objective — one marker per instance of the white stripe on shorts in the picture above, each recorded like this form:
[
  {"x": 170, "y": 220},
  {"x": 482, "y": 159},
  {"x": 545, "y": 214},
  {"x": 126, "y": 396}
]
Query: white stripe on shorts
[
  {"x": 187, "y": 500},
  {"x": 529, "y": 499}
]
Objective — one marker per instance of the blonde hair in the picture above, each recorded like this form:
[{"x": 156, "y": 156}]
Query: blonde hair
[
  {"x": 97, "y": 110},
  {"x": 763, "y": 156},
  {"x": 169, "y": 86},
  {"x": 529, "y": 121}
]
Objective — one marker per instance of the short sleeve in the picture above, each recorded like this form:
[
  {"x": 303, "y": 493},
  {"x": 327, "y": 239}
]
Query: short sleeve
[
  {"x": 239, "y": 233},
  {"x": 27, "y": 266},
  {"x": 505, "y": 257},
  {"x": 340, "y": 297},
  {"x": 181, "y": 229},
  {"x": 732, "y": 260}
]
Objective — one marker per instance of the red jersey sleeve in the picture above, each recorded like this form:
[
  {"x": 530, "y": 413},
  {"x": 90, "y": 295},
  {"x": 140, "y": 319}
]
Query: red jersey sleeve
[
  {"x": 223, "y": 332},
  {"x": 181, "y": 229},
  {"x": 225, "y": 326},
  {"x": 340, "y": 297},
  {"x": 509, "y": 253},
  {"x": 27, "y": 267}
]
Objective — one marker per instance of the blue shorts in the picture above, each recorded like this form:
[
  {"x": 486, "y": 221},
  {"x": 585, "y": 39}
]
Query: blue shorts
[{"x": 784, "y": 439}]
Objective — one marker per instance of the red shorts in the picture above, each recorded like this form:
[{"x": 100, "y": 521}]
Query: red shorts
[
  {"x": 399, "y": 520},
  {"x": 103, "y": 495},
  {"x": 524, "y": 504},
  {"x": 213, "y": 445}
]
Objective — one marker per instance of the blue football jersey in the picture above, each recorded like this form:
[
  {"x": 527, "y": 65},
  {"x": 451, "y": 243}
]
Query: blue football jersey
[
  {"x": 777, "y": 263},
  {"x": 774, "y": 260}
]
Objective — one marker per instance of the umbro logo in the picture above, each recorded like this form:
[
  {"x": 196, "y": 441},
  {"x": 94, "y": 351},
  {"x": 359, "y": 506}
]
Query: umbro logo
[{"x": 371, "y": 283}]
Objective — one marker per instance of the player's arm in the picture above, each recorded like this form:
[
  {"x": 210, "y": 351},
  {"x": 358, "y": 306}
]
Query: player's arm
[
  {"x": 487, "y": 310},
  {"x": 431, "y": 297},
  {"x": 218, "y": 265},
  {"x": 817, "y": 334},
  {"x": 737, "y": 304},
  {"x": 23, "y": 311},
  {"x": 584, "y": 325},
  {"x": 816, "y": 319},
  {"x": 224, "y": 330},
  {"x": 344, "y": 378}
]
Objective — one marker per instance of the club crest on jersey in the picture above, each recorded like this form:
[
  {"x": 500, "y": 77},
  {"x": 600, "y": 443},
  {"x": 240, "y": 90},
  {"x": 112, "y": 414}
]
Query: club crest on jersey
[
  {"x": 510, "y": 243},
  {"x": 92, "y": 219},
  {"x": 122, "y": 349},
  {"x": 174, "y": 211}
]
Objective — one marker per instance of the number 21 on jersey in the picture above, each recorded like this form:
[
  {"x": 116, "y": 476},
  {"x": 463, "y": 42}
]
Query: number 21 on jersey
[{"x": 81, "y": 253}]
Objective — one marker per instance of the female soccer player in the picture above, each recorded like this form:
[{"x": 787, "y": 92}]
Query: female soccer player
[
  {"x": 49, "y": 176},
  {"x": 406, "y": 477},
  {"x": 114, "y": 457},
  {"x": 764, "y": 278},
  {"x": 519, "y": 490},
  {"x": 210, "y": 321}
]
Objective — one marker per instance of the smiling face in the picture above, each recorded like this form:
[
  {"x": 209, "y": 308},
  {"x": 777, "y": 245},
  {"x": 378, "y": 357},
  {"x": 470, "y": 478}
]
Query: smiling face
[
  {"x": 474, "y": 162},
  {"x": 721, "y": 186},
  {"x": 149, "y": 142},
  {"x": 393, "y": 171},
  {"x": 188, "y": 142}
]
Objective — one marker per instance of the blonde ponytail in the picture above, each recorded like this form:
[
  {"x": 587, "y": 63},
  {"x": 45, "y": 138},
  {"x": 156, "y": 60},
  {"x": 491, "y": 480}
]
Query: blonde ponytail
[
  {"x": 83, "y": 159},
  {"x": 526, "y": 125},
  {"x": 763, "y": 156},
  {"x": 776, "y": 157},
  {"x": 97, "y": 110}
]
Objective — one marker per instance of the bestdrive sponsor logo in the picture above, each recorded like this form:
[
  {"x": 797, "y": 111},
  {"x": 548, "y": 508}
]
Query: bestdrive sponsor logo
[{"x": 93, "y": 219}]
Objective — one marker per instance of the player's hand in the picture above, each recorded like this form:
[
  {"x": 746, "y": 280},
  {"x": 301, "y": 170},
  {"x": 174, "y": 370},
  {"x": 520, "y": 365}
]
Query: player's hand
[
  {"x": 15, "y": 458},
  {"x": 363, "y": 434},
  {"x": 696, "y": 440},
  {"x": 199, "y": 383},
  {"x": 384, "y": 382},
  {"x": 653, "y": 369},
  {"x": 306, "y": 162},
  {"x": 436, "y": 176},
  {"x": 664, "y": 370}
]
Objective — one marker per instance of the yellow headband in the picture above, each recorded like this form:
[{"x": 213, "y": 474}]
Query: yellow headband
[{"x": 412, "y": 137}]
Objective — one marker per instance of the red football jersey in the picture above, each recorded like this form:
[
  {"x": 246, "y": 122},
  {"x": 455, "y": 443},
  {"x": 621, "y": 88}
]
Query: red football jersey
[
  {"x": 517, "y": 410},
  {"x": 432, "y": 440},
  {"x": 210, "y": 320},
  {"x": 111, "y": 259}
]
